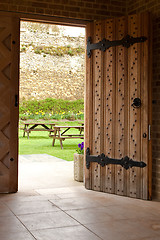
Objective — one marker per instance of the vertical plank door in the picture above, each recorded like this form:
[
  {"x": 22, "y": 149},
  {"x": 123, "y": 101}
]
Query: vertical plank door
[
  {"x": 114, "y": 78},
  {"x": 9, "y": 69}
]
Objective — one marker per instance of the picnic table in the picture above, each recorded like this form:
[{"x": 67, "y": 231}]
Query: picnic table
[
  {"x": 61, "y": 133},
  {"x": 32, "y": 126}
]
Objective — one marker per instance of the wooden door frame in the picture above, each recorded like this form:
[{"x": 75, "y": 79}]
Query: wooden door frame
[
  {"x": 18, "y": 17},
  {"x": 88, "y": 109},
  {"x": 46, "y": 19}
]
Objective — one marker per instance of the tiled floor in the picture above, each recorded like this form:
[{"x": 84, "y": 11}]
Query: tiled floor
[{"x": 51, "y": 206}]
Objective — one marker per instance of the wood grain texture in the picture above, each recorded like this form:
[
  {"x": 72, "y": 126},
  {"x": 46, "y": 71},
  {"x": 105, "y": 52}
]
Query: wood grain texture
[
  {"x": 149, "y": 69},
  {"x": 9, "y": 68},
  {"x": 5, "y": 62},
  {"x": 121, "y": 133},
  {"x": 134, "y": 113},
  {"x": 109, "y": 108},
  {"x": 119, "y": 75},
  {"x": 97, "y": 106},
  {"x": 88, "y": 108},
  {"x": 145, "y": 113}
]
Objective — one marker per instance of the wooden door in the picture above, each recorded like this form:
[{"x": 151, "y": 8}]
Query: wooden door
[
  {"x": 9, "y": 60},
  {"x": 114, "y": 78}
]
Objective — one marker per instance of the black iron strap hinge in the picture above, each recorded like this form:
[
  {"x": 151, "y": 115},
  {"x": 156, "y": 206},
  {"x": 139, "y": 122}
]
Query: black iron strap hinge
[
  {"x": 105, "y": 44},
  {"x": 103, "y": 160}
]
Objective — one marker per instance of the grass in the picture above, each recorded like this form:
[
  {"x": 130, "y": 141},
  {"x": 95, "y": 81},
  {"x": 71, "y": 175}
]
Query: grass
[{"x": 40, "y": 143}]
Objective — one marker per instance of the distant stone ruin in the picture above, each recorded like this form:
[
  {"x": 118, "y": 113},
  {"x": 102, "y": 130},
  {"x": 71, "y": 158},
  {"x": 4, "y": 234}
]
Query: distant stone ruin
[{"x": 46, "y": 71}]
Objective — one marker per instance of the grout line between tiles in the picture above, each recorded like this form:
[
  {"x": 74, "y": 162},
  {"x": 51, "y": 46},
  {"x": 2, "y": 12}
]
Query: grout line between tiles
[
  {"x": 78, "y": 221},
  {"x": 21, "y": 222},
  {"x": 52, "y": 228}
]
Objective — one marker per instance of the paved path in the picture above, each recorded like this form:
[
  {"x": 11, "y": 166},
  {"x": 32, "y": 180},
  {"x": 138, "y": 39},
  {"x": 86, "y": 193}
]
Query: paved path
[{"x": 45, "y": 171}]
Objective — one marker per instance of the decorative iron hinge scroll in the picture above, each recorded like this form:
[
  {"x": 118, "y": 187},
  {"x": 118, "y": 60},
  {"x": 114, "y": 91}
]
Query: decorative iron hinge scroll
[
  {"x": 103, "y": 160},
  {"x": 105, "y": 44}
]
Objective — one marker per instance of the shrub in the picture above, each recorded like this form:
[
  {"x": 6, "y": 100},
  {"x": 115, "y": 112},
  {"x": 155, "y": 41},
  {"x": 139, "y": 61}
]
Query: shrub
[
  {"x": 37, "y": 51},
  {"x": 51, "y": 109},
  {"x": 23, "y": 49},
  {"x": 58, "y": 51}
]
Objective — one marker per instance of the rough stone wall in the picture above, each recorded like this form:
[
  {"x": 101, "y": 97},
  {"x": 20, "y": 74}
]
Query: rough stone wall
[
  {"x": 153, "y": 6},
  {"x": 47, "y": 76}
]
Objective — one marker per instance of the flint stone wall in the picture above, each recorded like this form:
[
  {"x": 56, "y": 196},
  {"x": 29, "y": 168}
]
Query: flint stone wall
[{"x": 47, "y": 76}]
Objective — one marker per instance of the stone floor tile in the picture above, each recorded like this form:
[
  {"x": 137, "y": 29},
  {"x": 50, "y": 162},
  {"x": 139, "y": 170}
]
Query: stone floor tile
[
  {"x": 150, "y": 238},
  {"x": 75, "y": 203},
  {"x": 11, "y": 224},
  {"x": 85, "y": 193},
  {"x": 72, "y": 195},
  {"x": 67, "y": 233},
  {"x": 107, "y": 231},
  {"x": 78, "y": 188},
  {"x": 89, "y": 194},
  {"x": 16, "y": 236},
  {"x": 108, "y": 216},
  {"x": 50, "y": 196},
  {"x": 54, "y": 190},
  {"x": 17, "y": 195},
  {"x": 129, "y": 212},
  {"x": 90, "y": 215},
  {"x": 47, "y": 220},
  {"x": 122, "y": 229},
  {"x": 153, "y": 225},
  {"x": 19, "y": 208},
  {"x": 29, "y": 199},
  {"x": 4, "y": 211},
  {"x": 106, "y": 201}
]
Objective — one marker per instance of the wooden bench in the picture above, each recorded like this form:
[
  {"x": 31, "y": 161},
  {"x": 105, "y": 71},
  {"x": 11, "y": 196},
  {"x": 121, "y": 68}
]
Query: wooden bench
[
  {"x": 61, "y": 136},
  {"x": 32, "y": 126}
]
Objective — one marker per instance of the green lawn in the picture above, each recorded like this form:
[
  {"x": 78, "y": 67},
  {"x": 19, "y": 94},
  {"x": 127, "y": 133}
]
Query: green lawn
[{"x": 40, "y": 142}]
